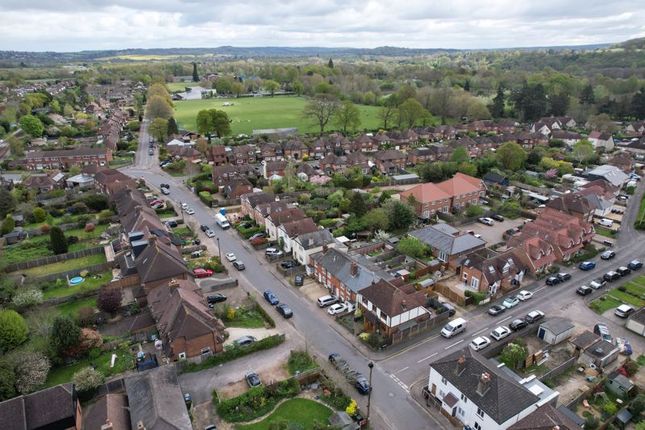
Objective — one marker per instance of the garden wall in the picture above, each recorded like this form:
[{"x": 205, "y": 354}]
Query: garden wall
[{"x": 53, "y": 259}]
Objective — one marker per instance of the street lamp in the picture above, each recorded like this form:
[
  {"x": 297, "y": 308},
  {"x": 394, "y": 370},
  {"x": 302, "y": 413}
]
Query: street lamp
[
  {"x": 219, "y": 250},
  {"x": 369, "y": 393}
]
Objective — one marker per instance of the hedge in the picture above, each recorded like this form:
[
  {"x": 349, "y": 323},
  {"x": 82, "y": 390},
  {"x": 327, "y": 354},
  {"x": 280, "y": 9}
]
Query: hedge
[
  {"x": 206, "y": 198},
  {"x": 476, "y": 296},
  {"x": 256, "y": 402},
  {"x": 264, "y": 314},
  {"x": 232, "y": 353}
]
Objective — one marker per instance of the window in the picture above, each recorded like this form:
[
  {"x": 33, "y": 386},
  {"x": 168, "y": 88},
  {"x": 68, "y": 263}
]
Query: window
[
  {"x": 460, "y": 411},
  {"x": 464, "y": 398},
  {"x": 443, "y": 381},
  {"x": 480, "y": 412},
  {"x": 474, "y": 283},
  {"x": 443, "y": 256},
  {"x": 477, "y": 426}
]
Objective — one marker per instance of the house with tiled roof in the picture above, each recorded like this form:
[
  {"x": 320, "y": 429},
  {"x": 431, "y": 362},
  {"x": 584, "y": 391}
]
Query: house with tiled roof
[
  {"x": 111, "y": 181},
  {"x": 158, "y": 263},
  {"x": 482, "y": 395},
  {"x": 295, "y": 149},
  {"x": 358, "y": 160},
  {"x": 601, "y": 140},
  {"x": 112, "y": 408},
  {"x": 575, "y": 204},
  {"x": 217, "y": 155},
  {"x": 333, "y": 163},
  {"x": 623, "y": 160},
  {"x": 276, "y": 218},
  {"x": 490, "y": 272},
  {"x": 536, "y": 254},
  {"x": 636, "y": 128},
  {"x": 65, "y": 158},
  {"x": 308, "y": 244},
  {"x": 389, "y": 161},
  {"x": 271, "y": 169},
  {"x": 547, "y": 417},
  {"x": 570, "y": 138},
  {"x": 289, "y": 231},
  {"x": 251, "y": 200},
  {"x": 236, "y": 187},
  {"x": 243, "y": 154},
  {"x": 263, "y": 210},
  {"x": 448, "y": 244},
  {"x": 225, "y": 172},
  {"x": 420, "y": 155}
]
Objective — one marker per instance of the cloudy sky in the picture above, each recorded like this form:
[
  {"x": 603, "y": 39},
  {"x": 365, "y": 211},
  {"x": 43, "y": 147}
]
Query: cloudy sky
[{"x": 70, "y": 25}]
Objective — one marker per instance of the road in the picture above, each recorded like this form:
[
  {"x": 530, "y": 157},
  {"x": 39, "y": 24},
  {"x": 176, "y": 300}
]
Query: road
[{"x": 392, "y": 405}]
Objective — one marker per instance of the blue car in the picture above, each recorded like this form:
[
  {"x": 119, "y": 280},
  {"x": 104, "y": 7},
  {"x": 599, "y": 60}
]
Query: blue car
[
  {"x": 587, "y": 265},
  {"x": 271, "y": 298}
]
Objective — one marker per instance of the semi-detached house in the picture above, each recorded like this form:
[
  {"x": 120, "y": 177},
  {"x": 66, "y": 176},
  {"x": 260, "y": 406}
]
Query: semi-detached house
[
  {"x": 308, "y": 244},
  {"x": 289, "y": 231}
]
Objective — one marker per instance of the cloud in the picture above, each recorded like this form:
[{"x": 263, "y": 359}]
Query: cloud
[{"x": 66, "y": 25}]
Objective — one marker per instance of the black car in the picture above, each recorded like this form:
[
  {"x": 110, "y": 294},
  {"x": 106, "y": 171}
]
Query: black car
[
  {"x": 611, "y": 276},
  {"x": 518, "y": 324},
  {"x": 171, "y": 224},
  {"x": 497, "y": 217},
  {"x": 334, "y": 357},
  {"x": 449, "y": 308},
  {"x": 607, "y": 255},
  {"x": 164, "y": 186},
  {"x": 635, "y": 264},
  {"x": 216, "y": 298},
  {"x": 496, "y": 310},
  {"x": 362, "y": 385},
  {"x": 563, "y": 276},
  {"x": 203, "y": 227},
  {"x": 271, "y": 298},
  {"x": 299, "y": 280},
  {"x": 552, "y": 280},
  {"x": 253, "y": 379},
  {"x": 584, "y": 290},
  {"x": 284, "y": 310},
  {"x": 623, "y": 271},
  {"x": 288, "y": 264}
]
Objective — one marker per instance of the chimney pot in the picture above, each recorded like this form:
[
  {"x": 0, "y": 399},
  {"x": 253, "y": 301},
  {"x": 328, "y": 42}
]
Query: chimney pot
[
  {"x": 461, "y": 365},
  {"x": 354, "y": 268},
  {"x": 484, "y": 384}
]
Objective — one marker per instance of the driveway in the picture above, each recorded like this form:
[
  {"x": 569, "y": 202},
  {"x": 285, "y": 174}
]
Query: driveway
[{"x": 493, "y": 234}]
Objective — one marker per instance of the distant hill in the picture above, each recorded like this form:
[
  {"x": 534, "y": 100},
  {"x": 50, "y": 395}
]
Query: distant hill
[{"x": 633, "y": 43}]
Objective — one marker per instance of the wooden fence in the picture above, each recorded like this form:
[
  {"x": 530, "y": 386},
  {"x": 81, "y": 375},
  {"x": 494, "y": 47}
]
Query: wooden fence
[
  {"x": 557, "y": 371},
  {"x": 53, "y": 259},
  {"x": 97, "y": 268}
]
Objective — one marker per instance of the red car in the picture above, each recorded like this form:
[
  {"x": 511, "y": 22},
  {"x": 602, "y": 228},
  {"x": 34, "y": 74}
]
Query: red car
[{"x": 202, "y": 273}]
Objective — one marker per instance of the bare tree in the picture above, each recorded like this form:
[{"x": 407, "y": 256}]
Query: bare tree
[{"x": 321, "y": 109}]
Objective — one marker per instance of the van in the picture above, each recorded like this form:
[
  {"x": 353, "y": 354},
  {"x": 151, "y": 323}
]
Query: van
[
  {"x": 454, "y": 327},
  {"x": 222, "y": 221},
  {"x": 326, "y": 300},
  {"x": 606, "y": 222}
]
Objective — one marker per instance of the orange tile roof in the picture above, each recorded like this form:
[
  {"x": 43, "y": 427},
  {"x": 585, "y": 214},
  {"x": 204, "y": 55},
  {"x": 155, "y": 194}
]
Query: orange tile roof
[
  {"x": 427, "y": 192},
  {"x": 460, "y": 184}
]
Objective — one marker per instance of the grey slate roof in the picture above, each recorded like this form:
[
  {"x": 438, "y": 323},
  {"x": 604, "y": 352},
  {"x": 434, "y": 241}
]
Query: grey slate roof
[
  {"x": 53, "y": 408},
  {"x": 339, "y": 265},
  {"x": 315, "y": 239},
  {"x": 505, "y": 397},
  {"x": 545, "y": 417},
  {"x": 557, "y": 325},
  {"x": 448, "y": 239},
  {"x": 611, "y": 174},
  {"x": 156, "y": 400}
]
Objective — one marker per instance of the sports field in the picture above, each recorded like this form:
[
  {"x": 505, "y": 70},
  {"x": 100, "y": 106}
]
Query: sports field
[{"x": 252, "y": 113}]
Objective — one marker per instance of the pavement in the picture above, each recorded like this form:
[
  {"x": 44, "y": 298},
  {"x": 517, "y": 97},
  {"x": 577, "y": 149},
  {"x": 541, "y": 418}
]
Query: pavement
[{"x": 398, "y": 368}]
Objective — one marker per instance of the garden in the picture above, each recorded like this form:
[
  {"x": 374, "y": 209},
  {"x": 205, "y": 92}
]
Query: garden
[
  {"x": 304, "y": 413},
  {"x": 631, "y": 293}
]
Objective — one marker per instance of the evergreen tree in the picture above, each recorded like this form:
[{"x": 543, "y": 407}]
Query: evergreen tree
[
  {"x": 587, "y": 96},
  {"x": 330, "y": 64},
  {"x": 195, "y": 75},
  {"x": 467, "y": 85},
  {"x": 638, "y": 104},
  {"x": 497, "y": 108},
  {"x": 58, "y": 240},
  {"x": 172, "y": 126}
]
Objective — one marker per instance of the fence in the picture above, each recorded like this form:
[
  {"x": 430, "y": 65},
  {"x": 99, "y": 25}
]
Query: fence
[
  {"x": 449, "y": 294},
  {"x": 53, "y": 259},
  {"x": 62, "y": 275},
  {"x": 557, "y": 371},
  {"x": 419, "y": 328}
]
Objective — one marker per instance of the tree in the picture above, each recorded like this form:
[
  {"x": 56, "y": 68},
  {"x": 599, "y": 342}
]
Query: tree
[
  {"x": 511, "y": 156},
  {"x": 587, "y": 95},
  {"x": 352, "y": 408},
  {"x": 347, "y": 116},
  {"x": 511, "y": 208},
  {"x": 298, "y": 88},
  {"x": 158, "y": 107},
  {"x": 237, "y": 88},
  {"x": 401, "y": 215},
  {"x": 7, "y": 381},
  {"x": 412, "y": 247},
  {"x": 7, "y": 202},
  {"x": 195, "y": 75},
  {"x": 513, "y": 355},
  {"x": 109, "y": 299},
  {"x": 88, "y": 379},
  {"x": 31, "y": 372},
  {"x": 213, "y": 121},
  {"x": 159, "y": 129},
  {"x": 202, "y": 145},
  {"x": 65, "y": 334},
  {"x": 39, "y": 214},
  {"x": 530, "y": 101},
  {"x": 320, "y": 110},
  {"x": 330, "y": 64},
  {"x": 638, "y": 104},
  {"x": 32, "y": 125},
  {"x": 497, "y": 108},
  {"x": 410, "y": 112},
  {"x": 601, "y": 122},
  {"x": 16, "y": 145},
  {"x": 357, "y": 204},
  {"x": 460, "y": 155},
  {"x": 376, "y": 219},
  {"x": 58, "y": 240},
  {"x": 389, "y": 110},
  {"x": 559, "y": 104},
  {"x": 8, "y": 224},
  {"x": 172, "y": 126},
  {"x": 467, "y": 168},
  {"x": 13, "y": 330},
  {"x": 638, "y": 405},
  {"x": 271, "y": 86},
  {"x": 583, "y": 151},
  {"x": 431, "y": 172}
]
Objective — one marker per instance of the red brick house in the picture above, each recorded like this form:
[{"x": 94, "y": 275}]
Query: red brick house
[
  {"x": 234, "y": 188},
  {"x": 389, "y": 161},
  {"x": 56, "y": 407},
  {"x": 536, "y": 254},
  {"x": 66, "y": 158},
  {"x": 487, "y": 271},
  {"x": 273, "y": 168},
  {"x": 251, "y": 200},
  {"x": 295, "y": 149},
  {"x": 333, "y": 163},
  {"x": 263, "y": 210},
  {"x": 217, "y": 155}
]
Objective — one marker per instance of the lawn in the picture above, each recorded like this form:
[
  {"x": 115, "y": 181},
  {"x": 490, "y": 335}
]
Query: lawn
[
  {"x": 91, "y": 283},
  {"x": 252, "y": 113},
  {"x": 180, "y": 86},
  {"x": 247, "y": 318},
  {"x": 603, "y": 304},
  {"x": 64, "y": 266},
  {"x": 303, "y": 412},
  {"x": 71, "y": 308},
  {"x": 604, "y": 231},
  {"x": 633, "y": 295}
]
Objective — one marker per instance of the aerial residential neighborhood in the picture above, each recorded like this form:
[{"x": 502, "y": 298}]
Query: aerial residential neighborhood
[{"x": 320, "y": 238}]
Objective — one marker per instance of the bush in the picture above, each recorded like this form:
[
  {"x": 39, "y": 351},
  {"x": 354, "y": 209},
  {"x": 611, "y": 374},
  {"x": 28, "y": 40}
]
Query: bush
[
  {"x": 109, "y": 299},
  {"x": 31, "y": 372},
  {"x": 27, "y": 298},
  {"x": 7, "y": 225},
  {"x": 206, "y": 198},
  {"x": 473, "y": 211},
  {"x": 334, "y": 396},
  {"x": 257, "y": 401},
  {"x": 13, "y": 330},
  {"x": 476, "y": 296},
  {"x": 300, "y": 361},
  {"x": 58, "y": 240},
  {"x": 39, "y": 214},
  {"x": 87, "y": 379}
]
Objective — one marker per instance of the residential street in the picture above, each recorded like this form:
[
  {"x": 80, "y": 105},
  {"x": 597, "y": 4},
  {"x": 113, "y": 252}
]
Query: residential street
[{"x": 394, "y": 372}]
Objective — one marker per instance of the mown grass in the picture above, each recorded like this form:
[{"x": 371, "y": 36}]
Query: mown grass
[
  {"x": 71, "y": 308},
  {"x": 64, "y": 266},
  {"x": 91, "y": 283},
  {"x": 247, "y": 318},
  {"x": 301, "y": 412},
  {"x": 634, "y": 295}
]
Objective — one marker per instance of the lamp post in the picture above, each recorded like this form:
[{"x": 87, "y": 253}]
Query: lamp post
[
  {"x": 219, "y": 251},
  {"x": 369, "y": 393}
]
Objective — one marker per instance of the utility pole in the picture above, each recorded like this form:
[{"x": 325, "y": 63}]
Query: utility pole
[
  {"x": 369, "y": 393},
  {"x": 219, "y": 251}
]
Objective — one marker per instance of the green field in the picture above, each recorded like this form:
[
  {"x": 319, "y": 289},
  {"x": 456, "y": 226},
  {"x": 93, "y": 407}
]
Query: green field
[
  {"x": 249, "y": 113},
  {"x": 295, "y": 411},
  {"x": 180, "y": 86}
]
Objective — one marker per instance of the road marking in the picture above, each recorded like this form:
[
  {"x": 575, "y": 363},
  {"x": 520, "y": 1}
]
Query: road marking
[
  {"x": 538, "y": 290},
  {"x": 400, "y": 384},
  {"x": 410, "y": 348},
  {"x": 401, "y": 370},
  {"x": 454, "y": 344},
  {"x": 428, "y": 357},
  {"x": 480, "y": 331},
  {"x": 507, "y": 318}
]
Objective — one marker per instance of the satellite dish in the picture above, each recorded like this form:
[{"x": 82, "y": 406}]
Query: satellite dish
[{"x": 158, "y": 344}]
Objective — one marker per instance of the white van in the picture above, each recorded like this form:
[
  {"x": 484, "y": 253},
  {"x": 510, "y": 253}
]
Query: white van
[
  {"x": 454, "y": 327},
  {"x": 221, "y": 221},
  {"x": 326, "y": 300},
  {"x": 606, "y": 222}
]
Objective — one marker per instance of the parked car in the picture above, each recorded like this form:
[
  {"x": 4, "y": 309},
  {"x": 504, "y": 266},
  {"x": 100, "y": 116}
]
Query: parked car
[
  {"x": 479, "y": 343},
  {"x": 606, "y": 222},
  {"x": 239, "y": 265},
  {"x": 518, "y": 324},
  {"x": 497, "y": 217},
  {"x": 534, "y": 316},
  {"x": 231, "y": 257},
  {"x": 164, "y": 185},
  {"x": 597, "y": 283},
  {"x": 271, "y": 298},
  {"x": 288, "y": 264},
  {"x": 563, "y": 276},
  {"x": 244, "y": 340},
  {"x": 210, "y": 427},
  {"x": 184, "y": 206},
  {"x": 607, "y": 255},
  {"x": 165, "y": 191},
  {"x": 327, "y": 300},
  {"x": 258, "y": 236},
  {"x": 216, "y": 298},
  {"x": 171, "y": 223},
  {"x": 587, "y": 265},
  {"x": 524, "y": 295},
  {"x": 284, "y": 310},
  {"x": 190, "y": 211},
  {"x": 496, "y": 310},
  {"x": 299, "y": 280},
  {"x": 273, "y": 252},
  {"x": 623, "y": 271},
  {"x": 362, "y": 385},
  {"x": 188, "y": 399},
  {"x": 485, "y": 220},
  {"x": 200, "y": 272},
  {"x": 601, "y": 330},
  {"x": 611, "y": 276},
  {"x": 552, "y": 280},
  {"x": 635, "y": 264},
  {"x": 333, "y": 357},
  {"x": 451, "y": 309},
  {"x": 253, "y": 379},
  {"x": 500, "y": 332},
  {"x": 210, "y": 233},
  {"x": 203, "y": 227},
  {"x": 510, "y": 302},
  {"x": 623, "y": 311},
  {"x": 583, "y": 290},
  {"x": 337, "y": 308}
]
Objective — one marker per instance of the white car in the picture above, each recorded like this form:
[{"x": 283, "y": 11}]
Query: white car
[
  {"x": 510, "y": 302},
  {"x": 623, "y": 311},
  {"x": 480, "y": 343},
  {"x": 500, "y": 332},
  {"x": 210, "y": 233},
  {"x": 190, "y": 211},
  {"x": 338, "y": 308},
  {"x": 524, "y": 295},
  {"x": 231, "y": 257},
  {"x": 184, "y": 206}
]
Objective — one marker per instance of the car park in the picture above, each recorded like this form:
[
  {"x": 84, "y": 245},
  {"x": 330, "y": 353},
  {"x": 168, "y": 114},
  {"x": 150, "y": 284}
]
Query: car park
[
  {"x": 597, "y": 283},
  {"x": 534, "y": 316},
  {"x": 601, "y": 330},
  {"x": 497, "y": 217},
  {"x": 583, "y": 290},
  {"x": 500, "y": 332},
  {"x": 623, "y": 271},
  {"x": 244, "y": 340},
  {"x": 563, "y": 277},
  {"x": 479, "y": 343},
  {"x": 271, "y": 298},
  {"x": 200, "y": 272},
  {"x": 239, "y": 265},
  {"x": 524, "y": 295},
  {"x": 552, "y": 280},
  {"x": 587, "y": 265},
  {"x": 210, "y": 233},
  {"x": 486, "y": 221},
  {"x": 635, "y": 264},
  {"x": 623, "y": 311},
  {"x": 362, "y": 385},
  {"x": 299, "y": 280},
  {"x": 216, "y": 298},
  {"x": 253, "y": 379},
  {"x": 231, "y": 257},
  {"x": 518, "y": 324},
  {"x": 510, "y": 302},
  {"x": 337, "y": 308},
  {"x": 284, "y": 310},
  {"x": 607, "y": 255},
  {"x": 611, "y": 276},
  {"x": 327, "y": 300},
  {"x": 496, "y": 310}
]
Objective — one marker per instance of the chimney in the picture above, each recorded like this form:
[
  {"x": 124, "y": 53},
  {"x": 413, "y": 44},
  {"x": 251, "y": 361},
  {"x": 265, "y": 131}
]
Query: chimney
[
  {"x": 404, "y": 305},
  {"x": 325, "y": 249},
  {"x": 354, "y": 269},
  {"x": 173, "y": 283},
  {"x": 484, "y": 384},
  {"x": 461, "y": 365},
  {"x": 107, "y": 425},
  {"x": 140, "y": 426}
]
